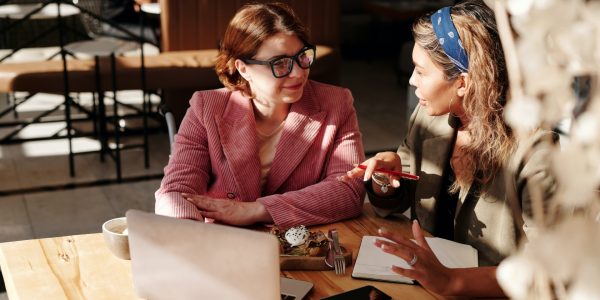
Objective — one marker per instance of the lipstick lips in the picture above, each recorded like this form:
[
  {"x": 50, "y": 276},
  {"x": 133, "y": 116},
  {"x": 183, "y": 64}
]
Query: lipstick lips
[
  {"x": 421, "y": 100},
  {"x": 293, "y": 87}
]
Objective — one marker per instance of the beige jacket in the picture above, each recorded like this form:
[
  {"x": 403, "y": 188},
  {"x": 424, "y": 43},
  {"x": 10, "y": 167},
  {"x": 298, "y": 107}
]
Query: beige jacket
[{"x": 485, "y": 222}]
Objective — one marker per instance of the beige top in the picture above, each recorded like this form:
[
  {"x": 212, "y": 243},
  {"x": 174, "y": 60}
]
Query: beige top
[{"x": 267, "y": 145}]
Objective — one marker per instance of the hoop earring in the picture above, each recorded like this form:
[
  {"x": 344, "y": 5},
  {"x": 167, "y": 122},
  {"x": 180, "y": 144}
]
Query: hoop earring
[{"x": 453, "y": 119}]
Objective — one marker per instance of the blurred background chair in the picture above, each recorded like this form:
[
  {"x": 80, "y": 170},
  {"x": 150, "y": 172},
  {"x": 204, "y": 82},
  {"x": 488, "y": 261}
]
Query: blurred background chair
[
  {"x": 119, "y": 19},
  {"x": 28, "y": 24},
  {"x": 70, "y": 76},
  {"x": 171, "y": 126}
]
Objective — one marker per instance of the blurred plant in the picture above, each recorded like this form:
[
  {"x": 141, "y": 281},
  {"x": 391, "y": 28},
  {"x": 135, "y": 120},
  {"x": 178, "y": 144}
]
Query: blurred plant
[{"x": 553, "y": 57}]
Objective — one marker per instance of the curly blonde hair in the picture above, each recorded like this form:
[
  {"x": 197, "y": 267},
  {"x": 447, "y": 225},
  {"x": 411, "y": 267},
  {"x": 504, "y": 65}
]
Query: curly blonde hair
[
  {"x": 492, "y": 141},
  {"x": 247, "y": 30}
]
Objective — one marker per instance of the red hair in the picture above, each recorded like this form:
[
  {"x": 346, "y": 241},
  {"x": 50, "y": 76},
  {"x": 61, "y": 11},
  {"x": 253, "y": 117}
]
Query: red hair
[{"x": 249, "y": 28}]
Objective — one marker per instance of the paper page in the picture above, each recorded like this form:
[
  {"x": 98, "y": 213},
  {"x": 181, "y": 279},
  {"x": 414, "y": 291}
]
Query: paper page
[
  {"x": 452, "y": 254},
  {"x": 373, "y": 263}
]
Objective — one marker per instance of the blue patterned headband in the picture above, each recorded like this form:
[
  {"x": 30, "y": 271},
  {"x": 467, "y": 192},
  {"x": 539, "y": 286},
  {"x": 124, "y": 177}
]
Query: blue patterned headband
[{"x": 449, "y": 39}]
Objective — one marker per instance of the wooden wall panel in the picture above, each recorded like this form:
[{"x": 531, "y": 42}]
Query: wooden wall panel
[{"x": 199, "y": 24}]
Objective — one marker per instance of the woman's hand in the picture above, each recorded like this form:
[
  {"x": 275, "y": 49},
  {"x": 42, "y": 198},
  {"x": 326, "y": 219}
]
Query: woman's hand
[
  {"x": 384, "y": 160},
  {"x": 426, "y": 268},
  {"x": 229, "y": 211}
]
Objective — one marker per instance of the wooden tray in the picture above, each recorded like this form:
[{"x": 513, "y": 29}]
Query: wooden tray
[{"x": 317, "y": 263}]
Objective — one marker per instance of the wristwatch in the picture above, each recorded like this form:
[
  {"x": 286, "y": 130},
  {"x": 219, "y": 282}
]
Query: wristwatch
[{"x": 382, "y": 181}]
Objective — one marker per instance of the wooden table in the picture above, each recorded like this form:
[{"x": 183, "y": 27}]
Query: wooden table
[{"x": 81, "y": 267}]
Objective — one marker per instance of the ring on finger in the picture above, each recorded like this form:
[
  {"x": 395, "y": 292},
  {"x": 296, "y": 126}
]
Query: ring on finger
[{"x": 414, "y": 259}]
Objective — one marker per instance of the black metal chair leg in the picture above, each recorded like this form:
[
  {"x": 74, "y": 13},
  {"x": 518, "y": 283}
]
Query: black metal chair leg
[
  {"x": 116, "y": 118},
  {"x": 66, "y": 92},
  {"x": 95, "y": 113},
  {"x": 103, "y": 136},
  {"x": 145, "y": 97}
]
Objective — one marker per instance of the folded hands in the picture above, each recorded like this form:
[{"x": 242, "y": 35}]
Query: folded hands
[{"x": 229, "y": 211}]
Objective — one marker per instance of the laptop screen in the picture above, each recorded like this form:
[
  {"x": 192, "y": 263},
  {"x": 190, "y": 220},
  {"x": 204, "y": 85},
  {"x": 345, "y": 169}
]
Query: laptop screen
[{"x": 184, "y": 259}]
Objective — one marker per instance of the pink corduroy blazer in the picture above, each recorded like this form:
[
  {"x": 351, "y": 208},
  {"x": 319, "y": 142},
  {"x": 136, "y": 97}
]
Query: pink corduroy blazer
[{"x": 216, "y": 154}]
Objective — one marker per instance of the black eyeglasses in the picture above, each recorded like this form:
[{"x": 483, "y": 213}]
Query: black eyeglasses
[{"x": 282, "y": 66}]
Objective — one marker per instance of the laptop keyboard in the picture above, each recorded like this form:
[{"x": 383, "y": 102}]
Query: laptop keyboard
[{"x": 287, "y": 297}]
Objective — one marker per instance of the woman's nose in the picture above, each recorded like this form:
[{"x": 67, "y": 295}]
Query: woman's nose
[{"x": 412, "y": 81}]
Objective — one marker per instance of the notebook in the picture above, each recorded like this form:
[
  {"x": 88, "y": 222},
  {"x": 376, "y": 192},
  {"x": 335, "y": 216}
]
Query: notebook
[
  {"x": 372, "y": 263},
  {"x": 184, "y": 259}
]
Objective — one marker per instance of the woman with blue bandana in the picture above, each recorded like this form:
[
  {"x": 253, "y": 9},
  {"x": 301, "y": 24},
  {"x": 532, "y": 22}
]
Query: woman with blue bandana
[{"x": 463, "y": 152}]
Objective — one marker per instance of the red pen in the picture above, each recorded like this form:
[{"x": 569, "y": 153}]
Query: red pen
[{"x": 401, "y": 174}]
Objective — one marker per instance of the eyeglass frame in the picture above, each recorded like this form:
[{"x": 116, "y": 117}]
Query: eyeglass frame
[{"x": 294, "y": 58}]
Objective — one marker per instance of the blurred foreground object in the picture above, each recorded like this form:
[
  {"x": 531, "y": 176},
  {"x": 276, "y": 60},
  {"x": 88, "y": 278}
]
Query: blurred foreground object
[{"x": 553, "y": 64}]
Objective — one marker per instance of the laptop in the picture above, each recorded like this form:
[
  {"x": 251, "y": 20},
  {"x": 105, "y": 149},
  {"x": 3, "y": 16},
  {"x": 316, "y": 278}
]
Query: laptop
[{"x": 185, "y": 259}]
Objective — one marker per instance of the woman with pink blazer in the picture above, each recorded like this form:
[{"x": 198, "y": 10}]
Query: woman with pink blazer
[{"x": 269, "y": 147}]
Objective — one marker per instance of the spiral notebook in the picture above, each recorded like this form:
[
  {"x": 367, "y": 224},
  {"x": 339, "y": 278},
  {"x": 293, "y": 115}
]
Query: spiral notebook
[{"x": 374, "y": 264}]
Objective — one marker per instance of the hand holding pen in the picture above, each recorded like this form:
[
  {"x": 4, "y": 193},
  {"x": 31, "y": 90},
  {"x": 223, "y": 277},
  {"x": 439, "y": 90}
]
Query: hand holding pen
[
  {"x": 391, "y": 172},
  {"x": 383, "y": 162}
]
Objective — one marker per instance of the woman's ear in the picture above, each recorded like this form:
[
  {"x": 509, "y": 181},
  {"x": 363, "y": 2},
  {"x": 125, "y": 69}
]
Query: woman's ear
[
  {"x": 462, "y": 82},
  {"x": 241, "y": 68}
]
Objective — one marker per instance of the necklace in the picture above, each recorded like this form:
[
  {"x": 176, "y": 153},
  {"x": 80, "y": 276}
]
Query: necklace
[{"x": 275, "y": 131}]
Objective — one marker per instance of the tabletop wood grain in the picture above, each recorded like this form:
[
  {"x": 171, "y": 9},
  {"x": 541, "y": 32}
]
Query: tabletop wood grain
[{"x": 82, "y": 267}]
